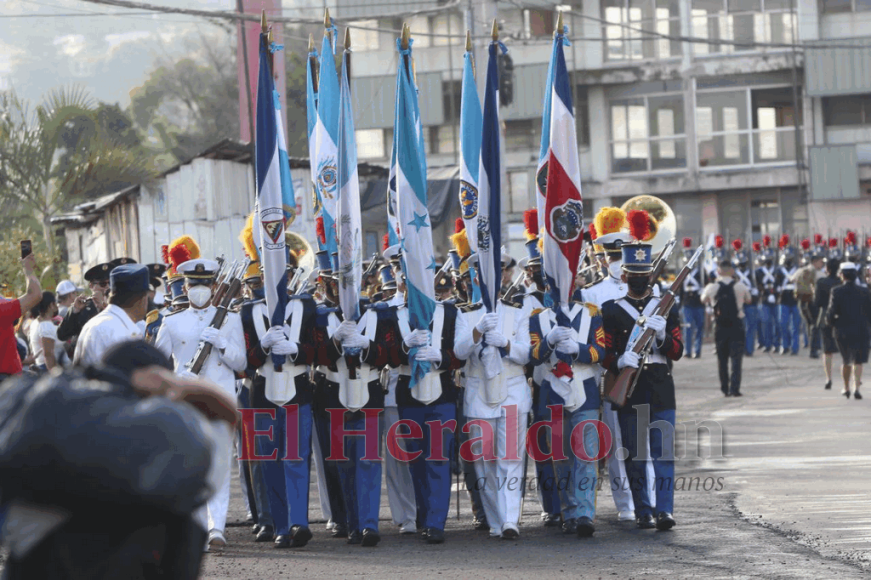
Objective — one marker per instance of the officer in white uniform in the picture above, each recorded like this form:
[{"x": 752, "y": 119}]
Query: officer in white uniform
[{"x": 179, "y": 336}]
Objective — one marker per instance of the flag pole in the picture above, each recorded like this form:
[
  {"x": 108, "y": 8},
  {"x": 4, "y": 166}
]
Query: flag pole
[
  {"x": 348, "y": 56},
  {"x": 469, "y": 50},
  {"x": 313, "y": 62}
]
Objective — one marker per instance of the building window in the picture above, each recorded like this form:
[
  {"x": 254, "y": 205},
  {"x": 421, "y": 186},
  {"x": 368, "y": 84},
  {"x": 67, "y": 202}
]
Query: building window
[
  {"x": 447, "y": 24},
  {"x": 366, "y": 37},
  {"x": 446, "y": 139},
  {"x": 852, "y": 110},
  {"x": 370, "y": 144},
  {"x": 518, "y": 191},
  {"x": 582, "y": 116},
  {"x": 627, "y": 22},
  {"x": 420, "y": 31},
  {"x": 838, "y": 6},
  {"x": 452, "y": 98},
  {"x": 746, "y": 126},
  {"x": 647, "y": 134},
  {"x": 523, "y": 135},
  {"x": 741, "y": 21},
  {"x": 538, "y": 22}
]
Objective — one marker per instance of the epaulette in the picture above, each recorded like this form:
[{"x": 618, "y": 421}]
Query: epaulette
[
  {"x": 594, "y": 310},
  {"x": 472, "y": 307},
  {"x": 537, "y": 311},
  {"x": 152, "y": 317}
]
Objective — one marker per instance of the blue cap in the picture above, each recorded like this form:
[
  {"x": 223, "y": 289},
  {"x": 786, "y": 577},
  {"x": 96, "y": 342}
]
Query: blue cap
[
  {"x": 455, "y": 259},
  {"x": 386, "y": 275},
  {"x": 129, "y": 278},
  {"x": 637, "y": 258},
  {"x": 334, "y": 260},
  {"x": 533, "y": 253},
  {"x": 324, "y": 261},
  {"x": 176, "y": 287}
]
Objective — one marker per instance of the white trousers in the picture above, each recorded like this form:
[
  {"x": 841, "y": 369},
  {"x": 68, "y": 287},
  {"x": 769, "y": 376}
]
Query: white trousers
[
  {"x": 617, "y": 479},
  {"x": 400, "y": 486},
  {"x": 213, "y": 515}
]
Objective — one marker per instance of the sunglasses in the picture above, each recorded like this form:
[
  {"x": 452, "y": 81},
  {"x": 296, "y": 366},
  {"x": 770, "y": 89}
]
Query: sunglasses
[{"x": 100, "y": 284}]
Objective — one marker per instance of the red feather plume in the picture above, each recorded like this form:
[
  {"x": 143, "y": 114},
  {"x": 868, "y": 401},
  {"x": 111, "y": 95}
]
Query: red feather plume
[
  {"x": 530, "y": 222},
  {"x": 784, "y": 241},
  {"x": 459, "y": 225},
  {"x": 386, "y": 242},
  {"x": 687, "y": 242},
  {"x": 719, "y": 241},
  {"x": 164, "y": 254},
  {"x": 737, "y": 244},
  {"x": 594, "y": 234},
  {"x": 639, "y": 224},
  {"x": 818, "y": 239},
  {"x": 757, "y": 247},
  {"x": 321, "y": 232},
  {"x": 833, "y": 242},
  {"x": 850, "y": 239},
  {"x": 805, "y": 244},
  {"x": 868, "y": 241},
  {"x": 179, "y": 255},
  {"x": 766, "y": 240}
]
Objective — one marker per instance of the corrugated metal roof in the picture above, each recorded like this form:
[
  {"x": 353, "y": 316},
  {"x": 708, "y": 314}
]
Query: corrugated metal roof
[{"x": 838, "y": 71}]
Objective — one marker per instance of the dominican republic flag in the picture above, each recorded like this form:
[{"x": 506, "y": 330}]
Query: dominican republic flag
[
  {"x": 564, "y": 207},
  {"x": 418, "y": 261},
  {"x": 326, "y": 138},
  {"x": 489, "y": 226},
  {"x": 544, "y": 150},
  {"x": 311, "y": 102},
  {"x": 470, "y": 150},
  {"x": 274, "y": 192},
  {"x": 348, "y": 206}
]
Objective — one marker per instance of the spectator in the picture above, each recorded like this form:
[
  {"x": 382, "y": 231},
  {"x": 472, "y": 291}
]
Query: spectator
[
  {"x": 725, "y": 295},
  {"x": 822, "y": 293},
  {"x": 850, "y": 314},
  {"x": 67, "y": 292},
  {"x": 47, "y": 350},
  {"x": 10, "y": 312},
  {"x": 805, "y": 279}
]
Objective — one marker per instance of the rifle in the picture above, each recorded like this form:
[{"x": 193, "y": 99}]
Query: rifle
[
  {"x": 618, "y": 389},
  {"x": 234, "y": 275},
  {"x": 222, "y": 283},
  {"x": 661, "y": 262}
]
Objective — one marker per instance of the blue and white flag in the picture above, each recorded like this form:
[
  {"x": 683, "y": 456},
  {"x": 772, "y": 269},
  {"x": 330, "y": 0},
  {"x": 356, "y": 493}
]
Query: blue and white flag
[
  {"x": 392, "y": 221},
  {"x": 348, "y": 206},
  {"x": 326, "y": 138},
  {"x": 418, "y": 261},
  {"x": 274, "y": 188},
  {"x": 470, "y": 150},
  {"x": 489, "y": 226},
  {"x": 311, "y": 101},
  {"x": 544, "y": 150}
]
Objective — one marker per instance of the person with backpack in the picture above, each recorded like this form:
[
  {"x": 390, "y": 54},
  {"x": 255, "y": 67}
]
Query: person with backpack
[{"x": 724, "y": 296}]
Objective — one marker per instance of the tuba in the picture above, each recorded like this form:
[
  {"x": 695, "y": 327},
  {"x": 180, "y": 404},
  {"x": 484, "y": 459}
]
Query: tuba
[
  {"x": 305, "y": 257},
  {"x": 663, "y": 224}
]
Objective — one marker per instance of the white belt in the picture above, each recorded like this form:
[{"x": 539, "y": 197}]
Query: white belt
[
  {"x": 789, "y": 287},
  {"x": 510, "y": 371},
  {"x": 405, "y": 371}
]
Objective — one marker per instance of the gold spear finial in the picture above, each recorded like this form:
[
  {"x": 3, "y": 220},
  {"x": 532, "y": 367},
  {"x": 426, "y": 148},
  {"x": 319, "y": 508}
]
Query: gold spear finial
[
  {"x": 269, "y": 37},
  {"x": 311, "y": 43},
  {"x": 559, "y": 23},
  {"x": 495, "y": 32},
  {"x": 406, "y": 35},
  {"x": 347, "y": 38},
  {"x": 468, "y": 41},
  {"x": 263, "y": 25},
  {"x": 327, "y": 20}
]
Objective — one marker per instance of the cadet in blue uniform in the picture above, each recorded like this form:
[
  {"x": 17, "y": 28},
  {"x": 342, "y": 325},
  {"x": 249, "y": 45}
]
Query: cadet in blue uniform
[
  {"x": 743, "y": 273},
  {"x": 691, "y": 307},
  {"x": 790, "y": 318}
]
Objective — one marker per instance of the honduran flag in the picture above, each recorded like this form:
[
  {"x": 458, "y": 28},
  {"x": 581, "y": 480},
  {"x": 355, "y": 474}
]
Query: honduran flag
[
  {"x": 274, "y": 187},
  {"x": 393, "y": 229},
  {"x": 326, "y": 138},
  {"x": 470, "y": 150},
  {"x": 489, "y": 227},
  {"x": 564, "y": 208},
  {"x": 418, "y": 260},
  {"x": 311, "y": 101}
]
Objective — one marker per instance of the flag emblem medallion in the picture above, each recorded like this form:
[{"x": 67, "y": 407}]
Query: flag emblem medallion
[
  {"x": 468, "y": 200},
  {"x": 568, "y": 220}
]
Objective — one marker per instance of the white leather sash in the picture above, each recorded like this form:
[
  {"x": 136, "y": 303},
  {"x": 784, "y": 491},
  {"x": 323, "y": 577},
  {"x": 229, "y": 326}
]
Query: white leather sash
[
  {"x": 281, "y": 385},
  {"x": 429, "y": 388},
  {"x": 571, "y": 389},
  {"x": 496, "y": 386}
]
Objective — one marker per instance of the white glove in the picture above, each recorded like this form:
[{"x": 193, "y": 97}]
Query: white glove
[
  {"x": 558, "y": 334},
  {"x": 429, "y": 353},
  {"x": 213, "y": 337},
  {"x": 568, "y": 347},
  {"x": 772, "y": 299},
  {"x": 272, "y": 337},
  {"x": 355, "y": 340},
  {"x": 495, "y": 339},
  {"x": 628, "y": 359},
  {"x": 487, "y": 323},
  {"x": 657, "y": 323},
  {"x": 346, "y": 329},
  {"x": 285, "y": 347},
  {"x": 419, "y": 337}
]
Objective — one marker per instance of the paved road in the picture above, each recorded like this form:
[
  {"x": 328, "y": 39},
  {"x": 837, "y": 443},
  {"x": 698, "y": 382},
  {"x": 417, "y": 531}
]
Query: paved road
[{"x": 794, "y": 503}]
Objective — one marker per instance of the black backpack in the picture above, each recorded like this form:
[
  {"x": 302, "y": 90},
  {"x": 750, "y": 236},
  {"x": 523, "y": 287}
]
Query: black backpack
[{"x": 726, "y": 305}]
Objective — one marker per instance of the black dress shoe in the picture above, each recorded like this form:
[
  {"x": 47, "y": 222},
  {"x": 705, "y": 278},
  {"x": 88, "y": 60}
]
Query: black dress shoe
[
  {"x": 265, "y": 534},
  {"x": 857, "y": 395},
  {"x": 828, "y": 386},
  {"x": 370, "y": 538},
  {"x": 299, "y": 536},
  {"x": 664, "y": 521},
  {"x": 424, "y": 533},
  {"x": 585, "y": 527},
  {"x": 435, "y": 536},
  {"x": 355, "y": 537},
  {"x": 737, "y": 394},
  {"x": 255, "y": 528},
  {"x": 570, "y": 526},
  {"x": 340, "y": 531},
  {"x": 481, "y": 524},
  {"x": 645, "y": 522},
  {"x": 846, "y": 393},
  {"x": 282, "y": 541},
  {"x": 552, "y": 520}
]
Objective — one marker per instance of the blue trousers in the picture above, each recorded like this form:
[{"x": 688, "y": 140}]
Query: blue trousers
[
  {"x": 661, "y": 437},
  {"x": 332, "y": 480},
  {"x": 258, "y": 497},
  {"x": 287, "y": 482},
  {"x": 694, "y": 316},
  {"x": 770, "y": 325},
  {"x": 577, "y": 477},
  {"x": 548, "y": 493},
  {"x": 750, "y": 312},
  {"x": 432, "y": 479},
  {"x": 360, "y": 478},
  {"x": 790, "y": 327}
]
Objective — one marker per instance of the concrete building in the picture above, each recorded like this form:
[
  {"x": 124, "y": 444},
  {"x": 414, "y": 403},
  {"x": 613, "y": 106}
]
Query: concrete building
[{"x": 749, "y": 117}]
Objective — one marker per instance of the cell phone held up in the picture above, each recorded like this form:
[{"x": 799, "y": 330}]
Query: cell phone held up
[{"x": 26, "y": 248}]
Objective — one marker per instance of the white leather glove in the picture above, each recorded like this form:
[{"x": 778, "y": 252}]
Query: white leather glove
[
  {"x": 558, "y": 334},
  {"x": 285, "y": 347},
  {"x": 419, "y": 337},
  {"x": 213, "y": 337},
  {"x": 487, "y": 323},
  {"x": 272, "y": 337},
  {"x": 430, "y": 354},
  {"x": 493, "y": 338},
  {"x": 355, "y": 340},
  {"x": 346, "y": 328},
  {"x": 657, "y": 323},
  {"x": 568, "y": 347},
  {"x": 628, "y": 359}
]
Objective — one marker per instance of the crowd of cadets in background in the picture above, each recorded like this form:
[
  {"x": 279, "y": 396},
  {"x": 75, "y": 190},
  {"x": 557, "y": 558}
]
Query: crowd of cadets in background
[{"x": 790, "y": 297}]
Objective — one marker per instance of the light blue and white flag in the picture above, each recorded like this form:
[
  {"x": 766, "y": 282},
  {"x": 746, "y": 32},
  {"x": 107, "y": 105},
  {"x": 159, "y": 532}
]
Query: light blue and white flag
[
  {"x": 326, "y": 138},
  {"x": 418, "y": 261},
  {"x": 392, "y": 221},
  {"x": 489, "y": 226},
  {"x": 274, "y": 189},
  {"x": 470, "y": 150},
  {"x": 348, "y": 206},
  {"x": 311, "y": 94}
]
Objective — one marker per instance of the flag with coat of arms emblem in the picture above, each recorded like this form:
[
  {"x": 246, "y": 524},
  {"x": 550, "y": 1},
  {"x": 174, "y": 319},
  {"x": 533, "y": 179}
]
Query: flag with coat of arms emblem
[
  {"x": 326, "y": 138},
  {"x": 470, "y": 149}
]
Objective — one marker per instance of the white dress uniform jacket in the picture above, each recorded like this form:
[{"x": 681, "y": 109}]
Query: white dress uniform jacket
[{"x": 108, "y": 328}]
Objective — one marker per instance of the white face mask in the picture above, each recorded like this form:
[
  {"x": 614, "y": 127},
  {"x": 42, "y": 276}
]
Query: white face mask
[
  {"x": 616, "y": 269},
  {"x": 199, "y": 296}
]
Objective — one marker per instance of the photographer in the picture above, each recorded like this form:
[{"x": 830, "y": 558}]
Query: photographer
[
  {"x": 85, "y": 308},
  {"x": 67, "y": 292},
  {"x": 10, "y": 312}
]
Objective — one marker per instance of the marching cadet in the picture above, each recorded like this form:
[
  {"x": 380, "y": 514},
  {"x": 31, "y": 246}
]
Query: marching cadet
[
  {"x": 743, "y": 273},
  {"x": 85, "y": 308},
  {"x": 849, "y": 314},
  {"x": 691, "y": 307},
  {"x": 497, "y": 396},
  {"x": 766, "y": 282},
  {"x": 179, "y": 336},
  {"x": 790, "y": 318},
  {"x": 567, "y": 341},
  {"x": 654, "y": 391}
]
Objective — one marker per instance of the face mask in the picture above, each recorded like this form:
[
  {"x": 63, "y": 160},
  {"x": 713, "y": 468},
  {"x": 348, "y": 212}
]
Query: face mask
[
  {"x": 259, "y": 293},
  {"x": 637, "y": 284},
  {"x": 616, "y": 269},
  {"x": 199, "y": 296}
]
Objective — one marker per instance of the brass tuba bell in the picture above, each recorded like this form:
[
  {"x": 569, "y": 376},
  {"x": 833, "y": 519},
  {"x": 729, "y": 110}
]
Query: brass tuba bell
[
  {"x": 663, "y": 224},
  {"x": 300, "y": 248}
]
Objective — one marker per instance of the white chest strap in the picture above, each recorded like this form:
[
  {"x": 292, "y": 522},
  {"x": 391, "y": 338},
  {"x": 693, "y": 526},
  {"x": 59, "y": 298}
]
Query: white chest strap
[
  {"x": 691, "y": 283},
  {"x": 767, "y": 275},
  {"x": 637, "y": 329}
]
